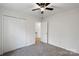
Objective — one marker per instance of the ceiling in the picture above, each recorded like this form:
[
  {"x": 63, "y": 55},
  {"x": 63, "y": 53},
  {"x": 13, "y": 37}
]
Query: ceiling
[{"x": 27, "y": 8}]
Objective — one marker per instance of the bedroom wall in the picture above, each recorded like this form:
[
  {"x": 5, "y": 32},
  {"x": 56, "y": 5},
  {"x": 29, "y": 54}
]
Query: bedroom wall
[
  {"x": 0, "y": 32},
  {"x": 63, "y": 30}
]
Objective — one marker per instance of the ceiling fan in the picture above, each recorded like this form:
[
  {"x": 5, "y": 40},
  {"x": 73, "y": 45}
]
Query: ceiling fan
[{"x": 43, "y": 7}]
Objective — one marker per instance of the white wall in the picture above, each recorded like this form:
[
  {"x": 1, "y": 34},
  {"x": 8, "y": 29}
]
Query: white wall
[
  {"x": 0, "y": 33},
  {"x": 64, "y": 30},
  {"x": 17, "y": 33}
]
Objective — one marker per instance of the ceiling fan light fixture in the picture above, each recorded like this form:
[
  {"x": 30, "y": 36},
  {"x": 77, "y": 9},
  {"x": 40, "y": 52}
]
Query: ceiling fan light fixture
[{"x": 42, "y": 9}]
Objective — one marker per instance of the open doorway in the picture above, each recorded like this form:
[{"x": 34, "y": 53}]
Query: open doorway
[
  {"x": 37, "y": 32},
  {"x": 41, "y": 32}
]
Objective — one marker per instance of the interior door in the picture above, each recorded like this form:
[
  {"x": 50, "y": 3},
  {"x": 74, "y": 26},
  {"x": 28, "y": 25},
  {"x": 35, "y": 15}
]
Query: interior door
[{"x": 44, "y": 31}]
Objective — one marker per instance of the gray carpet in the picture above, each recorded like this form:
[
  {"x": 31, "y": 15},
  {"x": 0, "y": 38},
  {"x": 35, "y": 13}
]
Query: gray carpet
[{"x": 41, "y": 50}]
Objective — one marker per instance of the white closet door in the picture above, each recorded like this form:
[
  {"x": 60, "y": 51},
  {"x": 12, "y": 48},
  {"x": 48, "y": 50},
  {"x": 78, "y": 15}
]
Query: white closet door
[
  {"x": 13, "y": 33},
  {"x": 44, "y": 32}
]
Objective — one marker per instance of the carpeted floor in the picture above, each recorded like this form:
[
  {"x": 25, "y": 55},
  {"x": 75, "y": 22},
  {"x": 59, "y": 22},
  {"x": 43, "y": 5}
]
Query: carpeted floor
[{"x": 41, "y": 50}]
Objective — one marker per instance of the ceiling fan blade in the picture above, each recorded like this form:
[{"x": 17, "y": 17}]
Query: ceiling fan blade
[
  {"x": 38, "y": 4},
  {"x": 46, "y": 4},
  {"x": 36, "y": 9},
  {"x": 49, "y": 8}
]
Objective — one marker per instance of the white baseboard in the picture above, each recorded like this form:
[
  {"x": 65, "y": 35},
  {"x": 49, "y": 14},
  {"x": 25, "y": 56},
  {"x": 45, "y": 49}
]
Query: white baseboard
[
  {"x": 20, "y": 47},
  {"x": 73, "y": 50}
]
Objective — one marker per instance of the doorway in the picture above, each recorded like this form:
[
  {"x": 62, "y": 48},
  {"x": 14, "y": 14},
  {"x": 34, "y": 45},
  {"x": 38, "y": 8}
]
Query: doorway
[{"x": 37, "y": 32}]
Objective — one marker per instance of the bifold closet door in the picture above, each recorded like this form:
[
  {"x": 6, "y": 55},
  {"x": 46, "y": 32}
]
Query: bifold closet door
[{"x": 13, "y": 33}]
